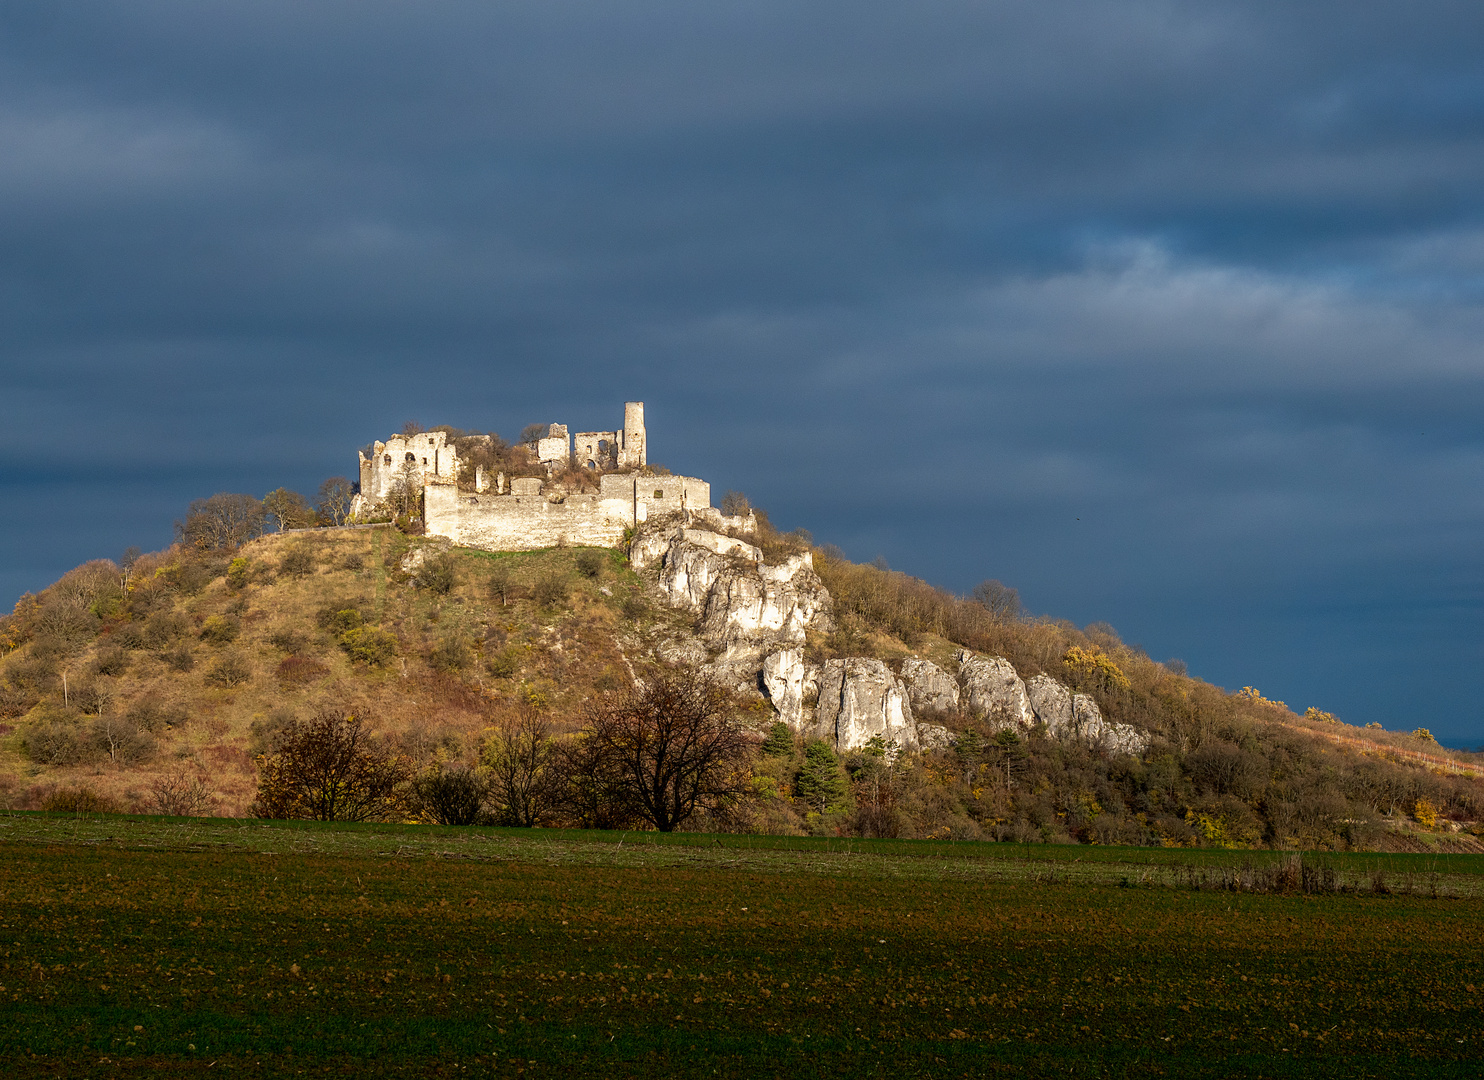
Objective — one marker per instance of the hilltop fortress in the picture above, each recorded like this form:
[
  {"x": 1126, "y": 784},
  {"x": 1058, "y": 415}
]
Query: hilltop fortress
[{"x": 522, "y": 513}]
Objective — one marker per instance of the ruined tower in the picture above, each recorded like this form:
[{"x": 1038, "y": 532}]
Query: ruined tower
[{"x": 634, "y": 451}]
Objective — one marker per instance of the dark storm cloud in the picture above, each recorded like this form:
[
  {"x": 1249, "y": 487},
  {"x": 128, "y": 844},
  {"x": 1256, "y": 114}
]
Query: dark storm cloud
[{"x": 1167, "y": 313}]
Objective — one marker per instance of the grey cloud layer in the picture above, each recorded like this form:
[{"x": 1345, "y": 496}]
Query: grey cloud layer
[{"x": 936, "y": 280}]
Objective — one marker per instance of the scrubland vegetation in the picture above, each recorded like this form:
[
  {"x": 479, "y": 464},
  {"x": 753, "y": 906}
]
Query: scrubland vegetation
[{"x": 174, "y": 682}]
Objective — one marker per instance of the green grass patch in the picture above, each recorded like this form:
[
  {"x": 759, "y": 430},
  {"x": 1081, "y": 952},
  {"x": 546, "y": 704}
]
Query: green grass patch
[{"x": 136, "y": 946}]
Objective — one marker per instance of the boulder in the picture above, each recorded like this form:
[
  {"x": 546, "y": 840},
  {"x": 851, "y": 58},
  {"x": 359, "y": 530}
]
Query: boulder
[
  {"x": 932, "y": 689},
  {"x": 789, "y": 682},
  {"x": 860, "y": 699},
  {"x": 1052, "y": 704},
  {"x": 993, "y": 689}
]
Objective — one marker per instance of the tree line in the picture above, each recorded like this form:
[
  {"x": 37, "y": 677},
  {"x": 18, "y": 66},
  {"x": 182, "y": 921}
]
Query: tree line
[
  {"x": 662, "y": 755},
  {"x": 229, "y": 520}
]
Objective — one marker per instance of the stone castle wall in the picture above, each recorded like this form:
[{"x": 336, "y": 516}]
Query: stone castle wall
[{"x": 531, "y": 513}]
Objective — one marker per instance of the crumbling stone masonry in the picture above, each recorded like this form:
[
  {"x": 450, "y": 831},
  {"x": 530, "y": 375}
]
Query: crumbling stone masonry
[{"x": 527, "y": 512}]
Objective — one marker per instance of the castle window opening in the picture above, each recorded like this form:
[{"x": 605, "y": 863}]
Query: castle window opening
[
  {"x": 388, "y": 459},
  {"x": 658, "y": 494},
  {"x": 425, "y": 461},
  {"x": 602, "y": 446},
  {"x": 412, "y": 458},
  {"x": 592, "y": 464}
]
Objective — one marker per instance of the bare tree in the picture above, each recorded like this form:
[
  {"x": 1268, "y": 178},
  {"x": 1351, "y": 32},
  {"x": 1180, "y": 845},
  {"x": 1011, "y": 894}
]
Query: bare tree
[
  {"x": 225, "y": 520},
  {"x": 330, "y": 769},
  {"x": 333, "y": 501},
  {"x": 673, "y": 747},
  {"x": 519, "y": 755},
  {"x": 179, "y": 795},
  {"x": 998, "y": 599}
]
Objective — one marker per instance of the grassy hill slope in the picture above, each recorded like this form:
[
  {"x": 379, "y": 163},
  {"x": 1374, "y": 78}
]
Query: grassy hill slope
[{"x": 155, "y": 687}]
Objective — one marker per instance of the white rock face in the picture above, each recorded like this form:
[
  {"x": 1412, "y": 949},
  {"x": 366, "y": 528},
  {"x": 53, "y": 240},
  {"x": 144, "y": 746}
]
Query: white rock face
[
  {"x": 859, "y": 699},
  {"x": 1052, "y": 704},
  {"x": 736, "y": 595},
  {"x": 789, "y": 681},
  {"x": 745, "y": 608},
  {"x": 932, "y": 689},
  {"x": 1088, "y": 723},
  {"x": 994, "y": 690}
]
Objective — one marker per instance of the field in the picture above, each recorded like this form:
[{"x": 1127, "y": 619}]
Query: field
[{"x": 143, "y": 947}]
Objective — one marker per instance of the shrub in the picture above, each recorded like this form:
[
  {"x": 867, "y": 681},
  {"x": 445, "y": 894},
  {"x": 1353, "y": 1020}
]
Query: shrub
[
  {"x": 551, "y": 591},
  {"x": 88, "y": 698},
  {"x": 15, "y": 701},
  {"x": 220, "y": 629},
  {"x": 180, "y": 658},
  {"x": 179, "y": 795},
  {"x": 297, "y": 563},
  {"x": 340, "y": 617},
  {"x": 330, "y": 769},
  {"x": 163, "y": 629},
  {"x": 191, "y": 576},
  {"x": 353, "y": 561},
  {"x": 499, "y": 583},
  {"x": 117, "y": 739},
  {"x": 152, "y": 713},
  {"x": 505, "y": 663},
  {"x": 289, "y": 640},
  {"x": 450, "y": 654},
  {"x": 589, "y": 563},
  {"x": 438, "y": 573},
  {"x": 300, "y": 670},
  {"x": 31, "y": 672},
  {"x": 128, "y": 636},
  {"x": 52, "y": 742},
  {"x": 239, "y": 571},
  {"x": 81, "y": 800},
  {"x": 230, "y": 671},
  {"x": 451, "y": 796},
  {"x": 111, "y": 660},
  {"x": 370, "y": 645}
]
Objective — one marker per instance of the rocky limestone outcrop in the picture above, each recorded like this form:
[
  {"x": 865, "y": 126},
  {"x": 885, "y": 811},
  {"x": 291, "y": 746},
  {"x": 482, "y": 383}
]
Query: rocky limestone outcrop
[
  {"x": 1052, "y": 704},
  {"x": 745, "y": 608},
  {"x": 932, "y": 689},
  {"x": 860, "y": 699},
  {"x": 993, "y": 690},
  {"x": 790, "y": 681},
  {"x": 1089, "y": 724}
]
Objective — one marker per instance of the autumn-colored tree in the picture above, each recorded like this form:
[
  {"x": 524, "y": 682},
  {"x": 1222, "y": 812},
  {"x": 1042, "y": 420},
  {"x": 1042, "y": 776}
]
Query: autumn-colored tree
[
  {"x": 288, "y": 509},
  {"x": 669, "y": 748},
  {"x": 330, "y": 769}
]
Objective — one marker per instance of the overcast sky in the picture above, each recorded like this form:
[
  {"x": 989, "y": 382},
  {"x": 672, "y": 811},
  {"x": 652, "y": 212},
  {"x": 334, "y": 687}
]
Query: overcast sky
[{"x": 1168, "y": 314}]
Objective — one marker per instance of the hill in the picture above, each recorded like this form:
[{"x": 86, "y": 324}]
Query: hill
[{"x": 155, "y": 686}]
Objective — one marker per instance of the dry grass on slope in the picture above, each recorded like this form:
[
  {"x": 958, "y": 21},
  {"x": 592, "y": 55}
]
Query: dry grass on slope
[{"x": 190, "y": 665}]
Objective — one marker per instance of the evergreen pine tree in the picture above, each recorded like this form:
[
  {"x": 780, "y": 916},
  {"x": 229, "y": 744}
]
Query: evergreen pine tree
[{"x": 820, "y": 783}]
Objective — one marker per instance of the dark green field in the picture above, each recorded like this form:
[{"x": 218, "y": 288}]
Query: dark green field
[{"x": 148, "y": 947}]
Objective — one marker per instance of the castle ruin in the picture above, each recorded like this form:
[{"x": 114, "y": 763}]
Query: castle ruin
[{"x": 523, "y": 513}]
